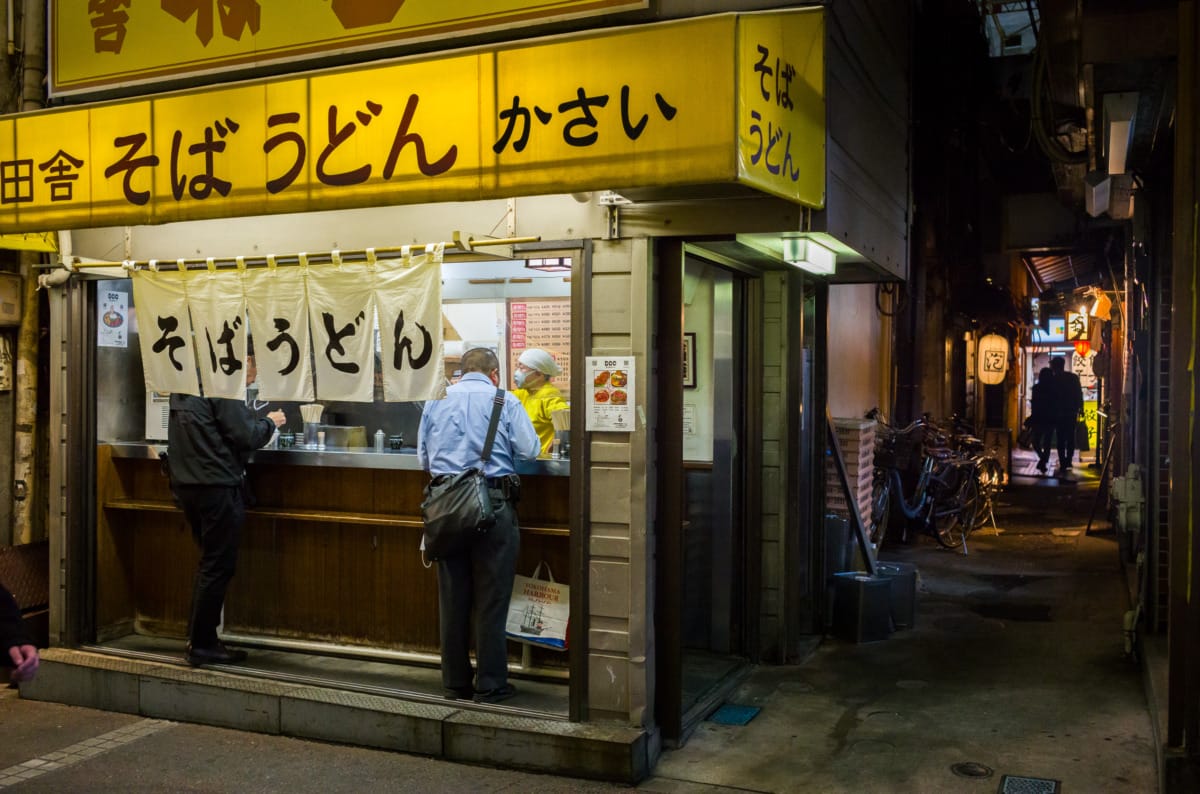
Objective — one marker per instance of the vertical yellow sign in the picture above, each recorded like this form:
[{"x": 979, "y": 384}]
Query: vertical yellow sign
[{"x": 781, "y": 104}]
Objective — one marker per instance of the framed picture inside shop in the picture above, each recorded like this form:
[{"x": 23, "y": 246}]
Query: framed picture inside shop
[{"x": 689, "y": 360}]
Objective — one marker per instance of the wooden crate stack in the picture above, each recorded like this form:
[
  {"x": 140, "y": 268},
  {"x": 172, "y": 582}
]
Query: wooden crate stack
[{"x": 856, "y": 438}]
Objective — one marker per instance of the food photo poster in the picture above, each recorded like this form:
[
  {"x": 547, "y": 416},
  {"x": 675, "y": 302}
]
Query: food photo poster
[{"x": 610, "y": 404}]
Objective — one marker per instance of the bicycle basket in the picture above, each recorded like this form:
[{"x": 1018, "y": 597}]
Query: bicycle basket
[{"x": 902, "y": 451}]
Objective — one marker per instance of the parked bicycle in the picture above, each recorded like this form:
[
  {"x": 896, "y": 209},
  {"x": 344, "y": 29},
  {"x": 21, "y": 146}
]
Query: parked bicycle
[
  {"x": 989, "y": 470},
  {"x": 953, "y": 489}
]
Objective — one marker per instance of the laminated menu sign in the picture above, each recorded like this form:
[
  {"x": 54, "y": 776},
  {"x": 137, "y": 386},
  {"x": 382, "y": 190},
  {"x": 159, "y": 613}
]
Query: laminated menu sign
[
  {"x": 543, "y": 323},
  {"x": 611, "y": 397},
  {"x": 113, "y": 326}
]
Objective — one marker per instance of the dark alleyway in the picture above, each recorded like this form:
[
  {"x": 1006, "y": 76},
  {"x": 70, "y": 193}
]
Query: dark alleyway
[{"x": 1015, "y": 664}]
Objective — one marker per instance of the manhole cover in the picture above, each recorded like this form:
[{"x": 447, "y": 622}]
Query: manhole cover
[
  {"x": 1016, "y": 784},
  {"x": 971, "y": 769}
]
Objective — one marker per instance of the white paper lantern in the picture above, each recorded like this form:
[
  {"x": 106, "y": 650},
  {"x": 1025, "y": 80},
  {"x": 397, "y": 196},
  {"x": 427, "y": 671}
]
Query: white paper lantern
[{"x": 992, "y": 356}]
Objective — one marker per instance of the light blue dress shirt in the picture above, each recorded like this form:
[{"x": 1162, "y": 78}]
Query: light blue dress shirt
[{"x": 452, "y": 431}]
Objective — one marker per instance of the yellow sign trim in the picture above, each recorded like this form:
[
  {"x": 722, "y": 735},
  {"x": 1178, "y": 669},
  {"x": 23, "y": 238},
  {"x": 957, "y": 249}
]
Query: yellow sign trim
[
  {"x": 649, "y": 106},
  {"x": 117, "y": 42}
]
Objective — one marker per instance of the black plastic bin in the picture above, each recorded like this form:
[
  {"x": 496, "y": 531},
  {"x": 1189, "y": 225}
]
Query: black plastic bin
[
  {"x": 903, "y": 579},
  {"x": 861, "y": 607}
]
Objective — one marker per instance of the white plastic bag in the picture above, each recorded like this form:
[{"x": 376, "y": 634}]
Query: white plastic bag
[{"x": 539, "y": 610}]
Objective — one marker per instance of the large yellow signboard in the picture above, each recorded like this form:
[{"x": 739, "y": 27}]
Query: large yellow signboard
[
  {"x": 650, "y": 106},
  {"x": 101, "y": 43}
]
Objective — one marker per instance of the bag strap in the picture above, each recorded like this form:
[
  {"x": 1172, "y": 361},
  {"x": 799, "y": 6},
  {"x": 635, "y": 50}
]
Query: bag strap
[
  {"x": 537, "y": 572},
  {"x": 497, "y": 404}
]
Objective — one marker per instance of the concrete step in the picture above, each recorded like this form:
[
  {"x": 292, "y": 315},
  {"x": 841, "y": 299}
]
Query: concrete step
[{"x": 599, "y": 751}]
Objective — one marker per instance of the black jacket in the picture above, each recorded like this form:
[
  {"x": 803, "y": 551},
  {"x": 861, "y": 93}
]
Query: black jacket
[
  {"x": 1041, "y": 404},
  {"x": 12, "y": 628},
  {"x": 1068, "y": 396},
  {"x": 209, "y": 440}
]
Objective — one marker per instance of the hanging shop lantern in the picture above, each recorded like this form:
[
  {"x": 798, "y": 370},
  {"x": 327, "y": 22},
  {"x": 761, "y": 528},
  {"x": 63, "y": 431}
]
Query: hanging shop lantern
[
  {"x": 993, "y": 359},
  {"x": 1082, "y": 347}
]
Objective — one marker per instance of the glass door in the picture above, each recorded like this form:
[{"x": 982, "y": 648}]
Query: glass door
[{"x": 713, "y": 409}]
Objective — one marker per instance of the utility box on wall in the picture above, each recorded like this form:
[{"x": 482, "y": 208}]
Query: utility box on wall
[{"x": 10, "y": 299}]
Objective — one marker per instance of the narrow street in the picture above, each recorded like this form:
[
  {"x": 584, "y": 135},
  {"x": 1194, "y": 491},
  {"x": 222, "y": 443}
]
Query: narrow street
[
  {"x": 1015, "y": 666},
  {"x": 1016, "y": 663}
]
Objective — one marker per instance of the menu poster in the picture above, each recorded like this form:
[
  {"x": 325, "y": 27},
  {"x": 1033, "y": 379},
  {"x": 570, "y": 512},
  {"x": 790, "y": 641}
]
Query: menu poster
[
  {"x": 611, "y": 398},
  {"x": 543, "y": 323},
  {"x": 113, "y": 326}
]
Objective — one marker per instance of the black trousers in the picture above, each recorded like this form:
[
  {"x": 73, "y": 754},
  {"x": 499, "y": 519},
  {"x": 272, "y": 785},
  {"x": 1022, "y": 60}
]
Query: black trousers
[
  {"x": 1064, "y": 429},
  {"x": 479, "y": 581},
  {"x": 1043, "y": 439},
  {"x": 216, "y": 514}
]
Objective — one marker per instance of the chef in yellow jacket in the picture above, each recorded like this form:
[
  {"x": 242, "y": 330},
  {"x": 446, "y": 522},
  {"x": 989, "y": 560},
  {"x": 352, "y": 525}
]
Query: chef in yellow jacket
[{"x": 535, "y": 368}]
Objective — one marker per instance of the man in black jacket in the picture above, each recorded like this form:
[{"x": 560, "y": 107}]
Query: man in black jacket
[
  {"x": 1067, "y": 408},
  {"x": 209, "y": 441},
  {"x": 19, "y": 651}
]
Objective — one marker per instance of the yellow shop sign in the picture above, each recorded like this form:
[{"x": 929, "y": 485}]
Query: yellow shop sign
[
  {"x": 717, "y": 99},
  {"x": 103, "y": 43}
]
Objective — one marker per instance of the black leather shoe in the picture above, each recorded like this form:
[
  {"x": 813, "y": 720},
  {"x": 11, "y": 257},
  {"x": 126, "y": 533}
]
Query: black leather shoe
[
  {"x": 496, "y": 695},
  {"x": 458, "y": 692},
  {"x": 217, "y": 654}
]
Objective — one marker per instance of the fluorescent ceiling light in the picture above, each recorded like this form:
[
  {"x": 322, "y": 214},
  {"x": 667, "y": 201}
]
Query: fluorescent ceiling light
[
  {"x": 809, "y": 255},
  {"x": 1119, "y": 113}
]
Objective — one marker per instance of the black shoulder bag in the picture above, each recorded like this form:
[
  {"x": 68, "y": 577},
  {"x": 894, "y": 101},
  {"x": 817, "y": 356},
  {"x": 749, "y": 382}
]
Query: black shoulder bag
[{"x": 457, "y": 507}]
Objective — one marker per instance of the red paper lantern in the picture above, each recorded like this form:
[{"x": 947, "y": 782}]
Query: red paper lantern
[{"x": 1082, "y": 347}]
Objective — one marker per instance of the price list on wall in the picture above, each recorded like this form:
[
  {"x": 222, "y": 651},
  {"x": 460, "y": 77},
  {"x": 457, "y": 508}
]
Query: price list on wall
[{"x": 546, "y": 324}]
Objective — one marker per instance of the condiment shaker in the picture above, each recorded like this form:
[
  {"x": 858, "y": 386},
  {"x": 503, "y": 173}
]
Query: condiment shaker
[{"x": 379, "y": 438}]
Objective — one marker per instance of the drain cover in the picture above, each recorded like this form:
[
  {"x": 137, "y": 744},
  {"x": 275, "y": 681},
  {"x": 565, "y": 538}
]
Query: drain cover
[
  {"x": 971, "y": 769},
  {"x": 1015, "y": 784},
  {"x": 730, "y": 714}
]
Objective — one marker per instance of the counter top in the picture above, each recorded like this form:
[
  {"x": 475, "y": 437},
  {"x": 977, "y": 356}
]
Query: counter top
[{"x": 339, "y": 458}]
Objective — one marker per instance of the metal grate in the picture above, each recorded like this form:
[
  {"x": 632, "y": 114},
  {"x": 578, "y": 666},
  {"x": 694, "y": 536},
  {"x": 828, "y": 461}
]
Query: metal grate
[{"x": 1016, "y": 784}]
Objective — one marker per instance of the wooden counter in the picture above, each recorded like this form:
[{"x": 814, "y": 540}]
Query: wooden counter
[{"x": 329, "y": 554}]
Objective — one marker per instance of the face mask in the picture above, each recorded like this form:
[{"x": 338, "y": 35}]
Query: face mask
[{"x": 519, "y": 378}]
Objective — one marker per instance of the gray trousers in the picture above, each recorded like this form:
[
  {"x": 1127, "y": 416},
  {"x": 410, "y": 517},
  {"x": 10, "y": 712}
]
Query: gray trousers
[{"x": 480, "y": 581}]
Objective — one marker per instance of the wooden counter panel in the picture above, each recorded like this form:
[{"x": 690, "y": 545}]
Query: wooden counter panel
[
  {"x": 114, "y": 552},
  {"x": 164, "y": 564},
  {"x": 335, "y": 583},
  {"x": 328, "y": 555}
]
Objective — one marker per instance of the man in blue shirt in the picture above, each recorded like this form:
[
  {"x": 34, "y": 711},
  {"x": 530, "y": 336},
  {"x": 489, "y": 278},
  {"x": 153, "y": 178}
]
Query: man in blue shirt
[{"x": 450, "y": 440}]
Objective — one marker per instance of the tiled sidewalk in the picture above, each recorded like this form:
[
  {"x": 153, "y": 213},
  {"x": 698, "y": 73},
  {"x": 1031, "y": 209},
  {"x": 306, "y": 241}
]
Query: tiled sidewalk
[{"x": 81, "y": 751}]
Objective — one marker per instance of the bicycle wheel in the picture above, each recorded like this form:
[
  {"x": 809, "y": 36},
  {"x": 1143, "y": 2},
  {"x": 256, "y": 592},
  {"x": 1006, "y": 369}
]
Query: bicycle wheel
[
  {"x": 990, "y": 478},
  {"x": 954, "y": 519},
  {"x": 881, "y": 508}
]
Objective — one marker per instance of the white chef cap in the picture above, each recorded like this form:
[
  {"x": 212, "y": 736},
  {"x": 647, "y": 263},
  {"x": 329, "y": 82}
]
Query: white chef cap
[{"x": 540, "y": 360}]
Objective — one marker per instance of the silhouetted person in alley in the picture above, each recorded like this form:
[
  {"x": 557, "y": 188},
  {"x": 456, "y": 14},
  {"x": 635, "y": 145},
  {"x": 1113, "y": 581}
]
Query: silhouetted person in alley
[
  {"x": 1067, "y": 409},
  {"x": 1041, "y": 416}
]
